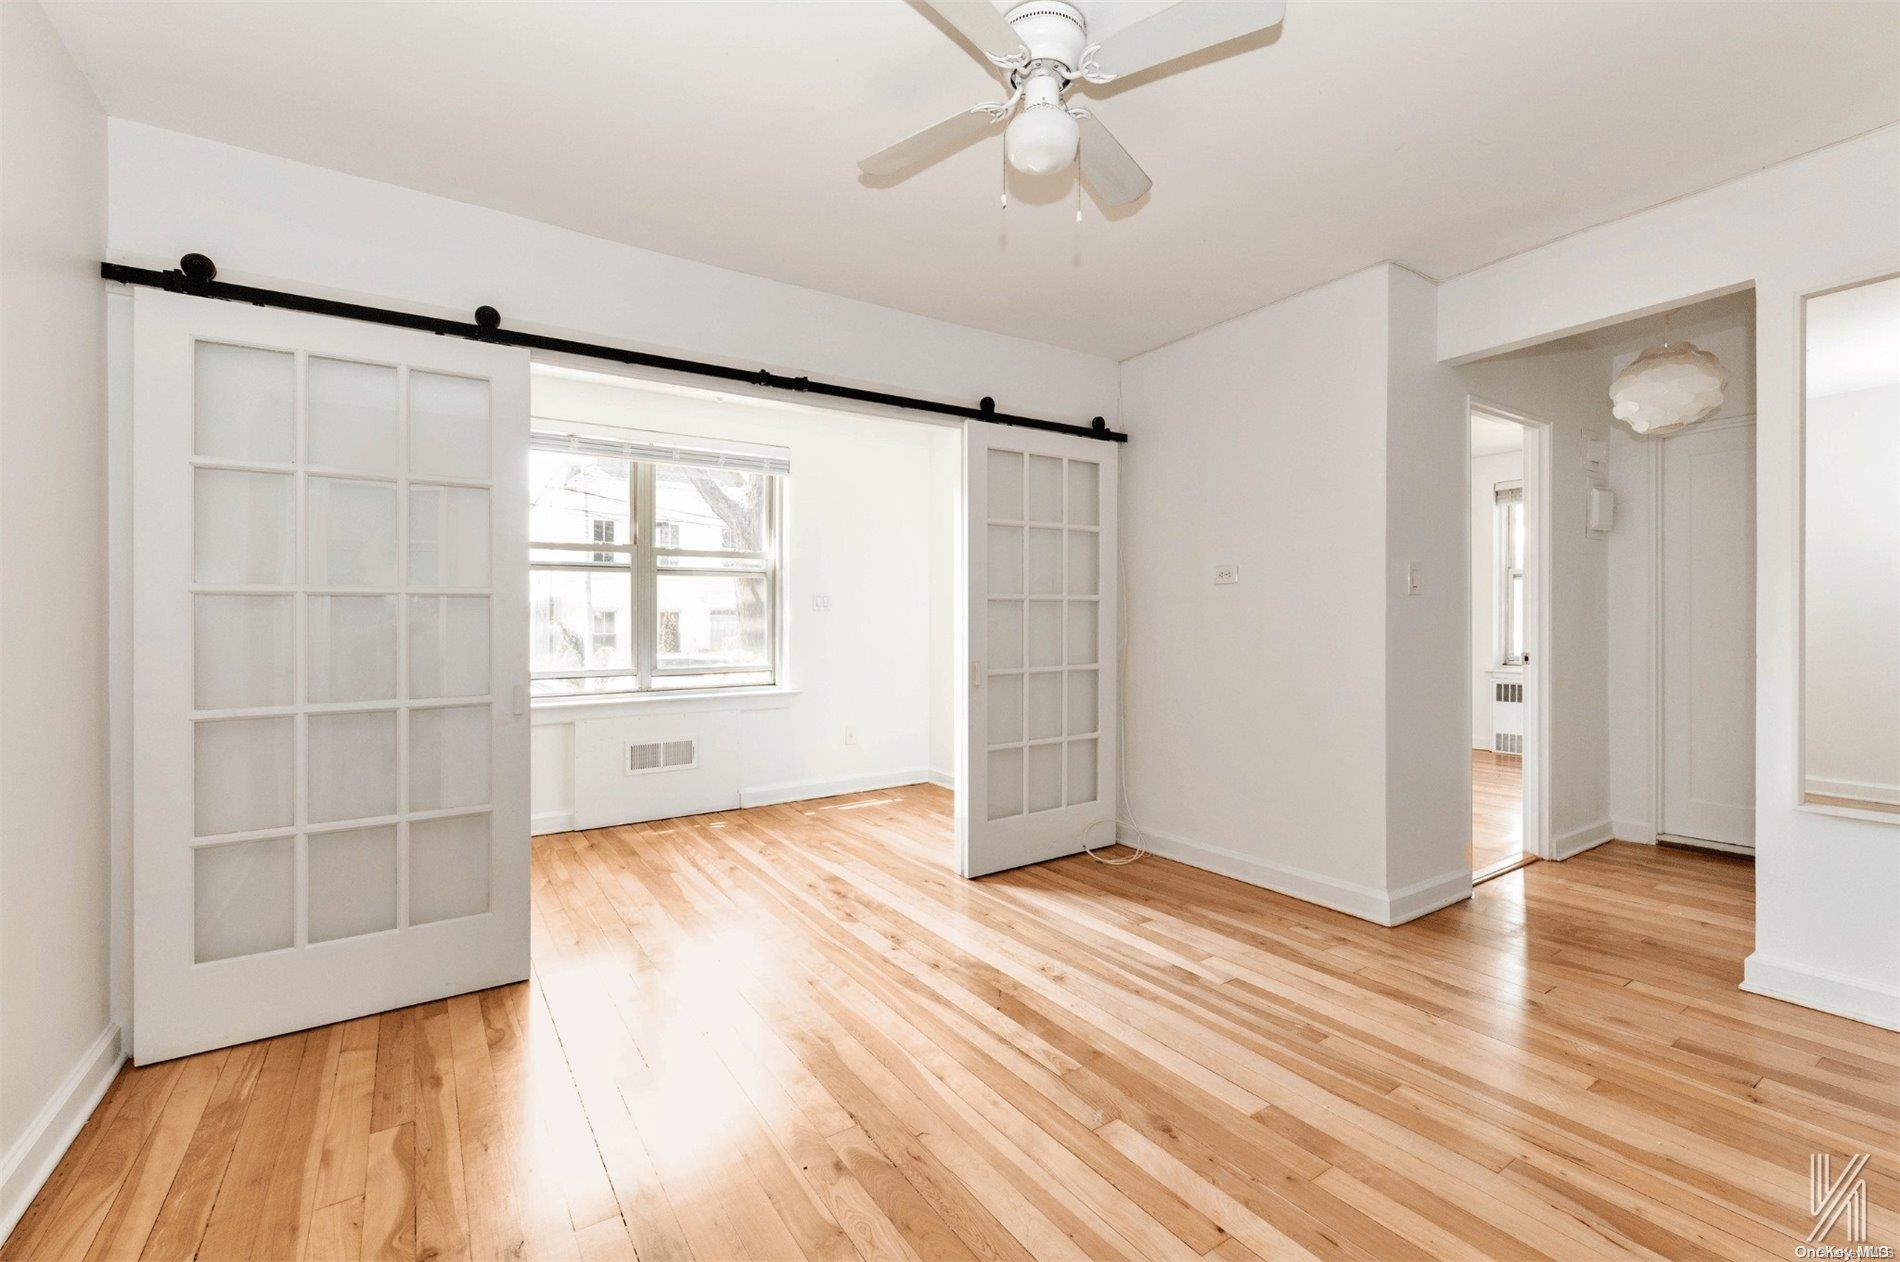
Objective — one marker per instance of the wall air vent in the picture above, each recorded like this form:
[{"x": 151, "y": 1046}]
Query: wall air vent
[
  {"x": 662, "y": 756},
  {"x": 1507, "y": 742},
  {"x": 1510, "y": 694}
]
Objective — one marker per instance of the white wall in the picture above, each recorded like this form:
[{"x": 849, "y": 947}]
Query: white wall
[
  {"x": 271, "y": 221},
  {"x": 870, "y": 530},
  {"x": 1826, "y": 885},
  {"x": 1486, "y": 473},
  {"x": 1853, "y": 677},
  {"x": 1255, "y": 712},
  {"x": 57, "y": 1046}
]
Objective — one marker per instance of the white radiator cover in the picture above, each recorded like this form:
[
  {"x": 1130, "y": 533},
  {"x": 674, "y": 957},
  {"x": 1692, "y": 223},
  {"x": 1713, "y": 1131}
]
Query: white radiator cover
[{"x": 1507, "y": 712}]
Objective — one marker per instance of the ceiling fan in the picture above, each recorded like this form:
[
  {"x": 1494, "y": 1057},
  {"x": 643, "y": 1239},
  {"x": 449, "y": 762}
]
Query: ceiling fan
[{"x": 1043, "y": 49}]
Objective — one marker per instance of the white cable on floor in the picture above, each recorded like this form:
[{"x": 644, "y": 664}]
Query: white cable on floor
[{"x": 1121, "y": 728}]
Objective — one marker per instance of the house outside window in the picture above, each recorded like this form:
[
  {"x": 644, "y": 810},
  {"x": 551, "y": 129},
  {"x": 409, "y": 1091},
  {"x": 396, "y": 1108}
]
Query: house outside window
[{"x": 648, "y": 574}]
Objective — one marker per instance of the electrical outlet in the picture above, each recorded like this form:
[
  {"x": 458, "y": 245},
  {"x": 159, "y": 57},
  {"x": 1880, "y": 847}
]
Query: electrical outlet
[
  {"x": 821, "y": 603},
  {"x": 1224, "y": 574}
]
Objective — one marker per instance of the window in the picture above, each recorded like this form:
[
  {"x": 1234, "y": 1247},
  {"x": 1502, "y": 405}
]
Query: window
[
  {"x": 694, "y": 608},
  {"x": 1510, "y": 585}
]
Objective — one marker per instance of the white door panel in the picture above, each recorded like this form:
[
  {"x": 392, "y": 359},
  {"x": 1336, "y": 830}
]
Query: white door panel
[
  {"x": 1708, "y": 636},
  {"x": 330, "y": 797},
  {"x": 1037, "y": 737}
]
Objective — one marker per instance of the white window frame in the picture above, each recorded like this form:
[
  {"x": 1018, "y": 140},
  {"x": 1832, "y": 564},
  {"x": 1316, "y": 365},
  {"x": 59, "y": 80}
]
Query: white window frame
[
  {"x": 1504, "y": 628},
  {"x": 643, "y": 568}
]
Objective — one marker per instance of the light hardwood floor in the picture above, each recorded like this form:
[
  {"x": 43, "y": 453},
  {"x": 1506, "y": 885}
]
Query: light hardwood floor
[
  {"x": 1497, "y": 808},
  {"x": 792, "y": 1033}
]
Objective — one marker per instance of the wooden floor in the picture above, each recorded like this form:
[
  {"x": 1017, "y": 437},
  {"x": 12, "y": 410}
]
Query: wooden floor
[
  {"x": 1497, "y": 808},
  {"x": 791, "y": 1033}
]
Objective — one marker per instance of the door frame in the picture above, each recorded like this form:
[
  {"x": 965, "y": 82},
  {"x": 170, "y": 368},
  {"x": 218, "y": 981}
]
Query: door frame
[
  {"x": 1657, "y": 677},
  {"x": 1539, "y": 673}
]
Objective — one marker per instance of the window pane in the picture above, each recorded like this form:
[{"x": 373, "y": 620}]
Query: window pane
[
  {"x": 1514, "y": 645},
  {"x": 708, "y": 509},
  {"x": 580, "y": 621},
  {"x": 711, "y": 621},
  {"x": 578, "y": 499}
]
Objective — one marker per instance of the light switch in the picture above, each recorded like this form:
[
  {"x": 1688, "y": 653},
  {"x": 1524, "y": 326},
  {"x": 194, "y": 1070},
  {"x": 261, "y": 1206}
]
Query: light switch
[
  {"x": 1411, "y": 579},
  {"x": 1224, "y": 574}
]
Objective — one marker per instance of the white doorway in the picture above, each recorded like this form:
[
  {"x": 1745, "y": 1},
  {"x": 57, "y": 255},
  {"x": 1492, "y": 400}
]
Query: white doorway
[
  {"x": 1705, "y": 490},
  {"x": 1506, "y": 665}
]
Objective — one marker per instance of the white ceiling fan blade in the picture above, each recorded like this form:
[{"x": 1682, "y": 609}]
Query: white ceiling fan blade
[
  {"x": 931, "y": 143},
  {"x": 1106, "y": 166},
  {"x": 980, "y": 23},
  {"x": 1182, "y": 29}
]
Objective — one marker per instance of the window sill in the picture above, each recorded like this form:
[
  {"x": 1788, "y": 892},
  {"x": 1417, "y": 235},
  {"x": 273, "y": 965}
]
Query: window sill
[
  {"x": 1505, "y": 672},
  {"x": 567, "y": 709}
]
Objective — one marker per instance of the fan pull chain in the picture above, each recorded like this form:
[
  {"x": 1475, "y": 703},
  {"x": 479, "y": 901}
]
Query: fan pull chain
[{"x": 1005, "y": 169}]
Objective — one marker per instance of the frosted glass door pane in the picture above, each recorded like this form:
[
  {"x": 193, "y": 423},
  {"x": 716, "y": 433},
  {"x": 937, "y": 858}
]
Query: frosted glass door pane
[
  {"x": 448, "y": 537},
  {"x": 351, "y": 418},
  {"x": 448, "y": 646},
  {"x": 1043, "y": 575},
  {"x": 1085, "y": 493},
  {"x": 1082, "y": 633},
  {"x": 1006, "y": 709},
  {"x": 1044, "y": 788},
  {"x": 352, "y": 648},
  {"x": 1044, "y": 706},
  {"x": 244, "y": 898},
  {"x": 352, "y": 533},
  {"x": 1045, "y": 633},
  {"x": 244, "y": 531},
  {"x": 1006, "y": 634},
  {"x": 448, "y": 757},
  {"x": 448, "y": 868},
  {"x": 352, "y": 772},
  {"x": 352, "y": 886},
  {"x": 1043, "y": 492},
  {"x": 1081, "y": 771},
  {"x": 244, "y": 652},
  {"x": 448, "y": 426},
  {"x": 242, "y": 775},
  {"x": 1006, "y": 783},
  {"x": 1084, "y": 701},
  {"x": 1006, "y": 560},
  {"x": 1006, "y": 485},
  {"x": 1084, "y": 550},
  {"x": 244, "y": 403}
]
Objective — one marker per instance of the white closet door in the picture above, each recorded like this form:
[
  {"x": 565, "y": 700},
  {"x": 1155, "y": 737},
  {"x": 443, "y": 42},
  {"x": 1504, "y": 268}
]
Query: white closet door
[
  {"x": 1036, "y": 754},
  {"x": 1708, "y": 636},
  {"x": 327, "y": 516}
]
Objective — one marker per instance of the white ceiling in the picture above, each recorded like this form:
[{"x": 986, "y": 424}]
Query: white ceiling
[
  {"x": 1440, "y": 135},
  {"x": 1491, "y": 436}
]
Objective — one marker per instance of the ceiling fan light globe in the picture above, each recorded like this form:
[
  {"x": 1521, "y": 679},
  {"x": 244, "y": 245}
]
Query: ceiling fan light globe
[{"x": 1041, "y": 140}]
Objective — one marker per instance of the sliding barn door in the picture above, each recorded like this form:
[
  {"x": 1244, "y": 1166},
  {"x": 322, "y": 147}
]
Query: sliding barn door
[
  {"x": 330, "y": 725},
  {"x": 1037, "y": 748}
]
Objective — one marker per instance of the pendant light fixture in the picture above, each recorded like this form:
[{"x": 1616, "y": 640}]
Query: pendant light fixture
[{"x": 1668, "y": 387}]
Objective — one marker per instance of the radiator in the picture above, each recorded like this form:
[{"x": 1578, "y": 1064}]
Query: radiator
[{"x": 1507, "y": 717}]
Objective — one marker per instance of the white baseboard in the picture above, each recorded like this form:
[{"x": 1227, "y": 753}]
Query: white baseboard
[
  {"x": 552, "y": 822},
  {"x": 1639, "y": 830},
  {"x": 29, "y": 1163},
  {"x": 800, "y": 790},
  {"x": 1381, "y": 907},
  {"x": 1825, "y": 991},
  {"x": 1577, "y": 840},
  {"x": 942, "y": 779},
  {"x": 1856, "y": 789}
]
